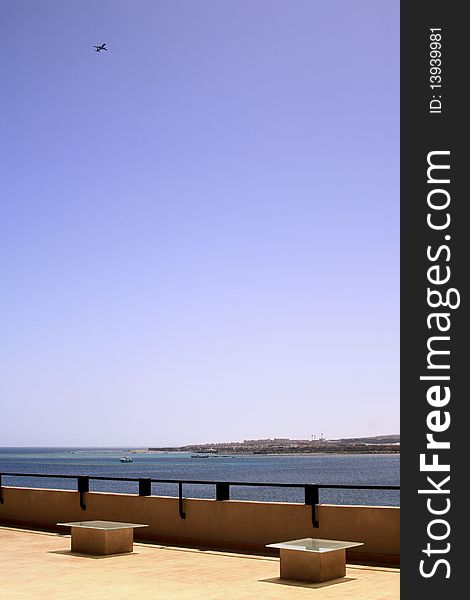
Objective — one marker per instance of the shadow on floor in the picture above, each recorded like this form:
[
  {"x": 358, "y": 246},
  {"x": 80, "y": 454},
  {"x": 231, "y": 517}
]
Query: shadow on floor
[
  {"x": 92, "y": 556},
  {"x": 307, "y": 584}
]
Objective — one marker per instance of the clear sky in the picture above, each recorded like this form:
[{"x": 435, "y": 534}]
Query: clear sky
[{"x": 199, "y": 229}]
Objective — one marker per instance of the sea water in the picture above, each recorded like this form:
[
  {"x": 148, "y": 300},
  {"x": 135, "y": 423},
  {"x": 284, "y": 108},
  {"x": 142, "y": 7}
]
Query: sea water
[{"x": 351, "y": 469}]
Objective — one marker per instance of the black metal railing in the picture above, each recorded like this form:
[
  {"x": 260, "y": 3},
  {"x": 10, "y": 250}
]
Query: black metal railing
[{"x": 222, "y": 488}]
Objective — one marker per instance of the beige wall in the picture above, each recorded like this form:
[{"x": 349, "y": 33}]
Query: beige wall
[{"x": 232, "y": 524}]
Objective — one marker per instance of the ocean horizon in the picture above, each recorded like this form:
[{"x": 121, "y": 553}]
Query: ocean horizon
[{"x": 350, "y": 469}]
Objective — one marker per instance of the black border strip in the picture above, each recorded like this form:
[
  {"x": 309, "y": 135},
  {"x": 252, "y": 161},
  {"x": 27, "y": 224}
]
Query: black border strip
[{"x": 426, "y": 127}]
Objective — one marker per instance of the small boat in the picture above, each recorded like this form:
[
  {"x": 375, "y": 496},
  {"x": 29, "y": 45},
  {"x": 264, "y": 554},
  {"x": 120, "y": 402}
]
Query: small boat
[
  {"x": 199, "y": 456},
  {"x": 126, "y": 459}
]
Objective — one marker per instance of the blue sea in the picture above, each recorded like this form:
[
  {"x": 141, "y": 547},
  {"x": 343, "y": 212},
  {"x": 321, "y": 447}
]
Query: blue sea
[{"x": 351, "y": 469}]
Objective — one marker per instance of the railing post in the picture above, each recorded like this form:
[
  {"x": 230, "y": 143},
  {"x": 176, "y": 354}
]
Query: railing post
[
  {"x": 145, "y": 487},
  {"x": 83, "y": 485},
  {"x": 180, "y": 500},
  {"x": 222, "y": 491},
  {"x": 1, "y": 490},
  {"x": 312, "y": 498}
]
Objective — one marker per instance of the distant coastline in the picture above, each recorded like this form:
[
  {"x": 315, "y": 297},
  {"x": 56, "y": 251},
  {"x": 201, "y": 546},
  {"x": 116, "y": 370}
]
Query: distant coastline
[{"x": 389, "y": 444}]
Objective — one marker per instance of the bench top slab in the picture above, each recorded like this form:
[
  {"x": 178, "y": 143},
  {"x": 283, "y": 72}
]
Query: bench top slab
[
  {"x": 103, "y": 525},
  {"x": 315, "y": 545}
]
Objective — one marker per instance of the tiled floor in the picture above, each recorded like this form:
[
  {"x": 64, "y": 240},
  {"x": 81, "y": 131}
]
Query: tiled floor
[{"x": 36, "y": 565}]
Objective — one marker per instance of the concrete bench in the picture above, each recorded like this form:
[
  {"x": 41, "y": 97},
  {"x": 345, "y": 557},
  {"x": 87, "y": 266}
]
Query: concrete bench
[
  {"x": 311, "y": 559},
  {"x": 102, "y": 537}
]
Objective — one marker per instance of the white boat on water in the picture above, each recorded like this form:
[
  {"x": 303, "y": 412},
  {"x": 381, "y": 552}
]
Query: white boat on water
[{"x": 126, "y": 459}]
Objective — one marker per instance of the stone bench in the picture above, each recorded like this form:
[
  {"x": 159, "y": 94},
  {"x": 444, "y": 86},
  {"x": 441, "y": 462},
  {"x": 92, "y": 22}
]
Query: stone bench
[
  {"x": 311, "y": 559},
  {"x": 102, "y": 537}
]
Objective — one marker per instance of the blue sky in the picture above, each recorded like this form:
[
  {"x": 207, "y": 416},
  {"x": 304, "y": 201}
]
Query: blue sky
[{"x": 199, "y": 228}]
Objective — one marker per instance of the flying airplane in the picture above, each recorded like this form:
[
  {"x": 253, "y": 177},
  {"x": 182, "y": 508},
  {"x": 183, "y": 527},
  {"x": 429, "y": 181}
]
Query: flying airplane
[{"x": 99, "y": 48}]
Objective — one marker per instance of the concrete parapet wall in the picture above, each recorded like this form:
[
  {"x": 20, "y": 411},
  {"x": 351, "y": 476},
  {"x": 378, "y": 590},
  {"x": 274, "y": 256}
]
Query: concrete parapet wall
[{"x": 231, "y": 524}]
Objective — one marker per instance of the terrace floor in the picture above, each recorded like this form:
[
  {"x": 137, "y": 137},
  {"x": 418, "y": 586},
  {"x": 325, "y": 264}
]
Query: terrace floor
[{"x": 35, "y": 565}]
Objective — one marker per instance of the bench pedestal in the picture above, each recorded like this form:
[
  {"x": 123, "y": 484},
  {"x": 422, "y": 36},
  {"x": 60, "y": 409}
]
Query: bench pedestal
[
  {"x": 311, "y": 566},
  {"x": 98, "y": 541}
]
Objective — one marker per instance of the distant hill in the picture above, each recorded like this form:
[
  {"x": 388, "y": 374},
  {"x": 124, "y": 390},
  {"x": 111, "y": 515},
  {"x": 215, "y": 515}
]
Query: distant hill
[
  {"x": 374, "y": 444},
  {"x": 378, "y": 439}
]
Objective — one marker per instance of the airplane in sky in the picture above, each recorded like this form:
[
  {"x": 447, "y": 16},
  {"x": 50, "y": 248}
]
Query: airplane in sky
[{"x": 99, "y": 48}]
